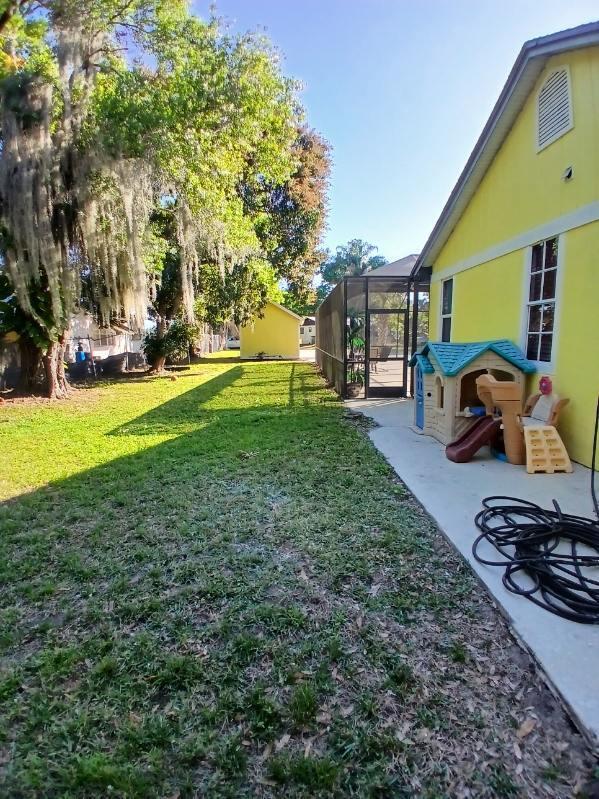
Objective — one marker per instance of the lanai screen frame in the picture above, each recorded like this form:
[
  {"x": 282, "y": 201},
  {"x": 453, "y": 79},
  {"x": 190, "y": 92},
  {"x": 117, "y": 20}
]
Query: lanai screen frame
[{"x": 332, "y": 329}]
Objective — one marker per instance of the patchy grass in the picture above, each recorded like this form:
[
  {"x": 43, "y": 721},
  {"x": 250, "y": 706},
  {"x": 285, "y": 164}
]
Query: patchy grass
[{"x": 216, "y": 587}]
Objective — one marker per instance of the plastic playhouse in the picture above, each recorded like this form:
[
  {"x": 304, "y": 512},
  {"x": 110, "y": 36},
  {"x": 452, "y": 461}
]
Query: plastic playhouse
[
  {"x": 470, "y": 395},
  {"x": 445, "y": 382}
]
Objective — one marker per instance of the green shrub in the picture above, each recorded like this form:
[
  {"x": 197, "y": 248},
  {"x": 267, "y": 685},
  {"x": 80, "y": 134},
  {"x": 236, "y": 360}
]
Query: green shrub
[{"x": 174, "y": 344}]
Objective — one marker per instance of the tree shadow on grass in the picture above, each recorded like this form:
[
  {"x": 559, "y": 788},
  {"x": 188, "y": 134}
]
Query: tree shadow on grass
[
  {"x": 187, "y": 411},
  {"x": 167, "y": 615},
  {"x": 220, "y": 359},
  {"x": 129, "y": 588},
  {"x": 238, "y": 442}
]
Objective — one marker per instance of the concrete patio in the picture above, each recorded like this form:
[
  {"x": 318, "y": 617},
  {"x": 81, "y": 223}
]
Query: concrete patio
[{"x": 567, "y": 652}]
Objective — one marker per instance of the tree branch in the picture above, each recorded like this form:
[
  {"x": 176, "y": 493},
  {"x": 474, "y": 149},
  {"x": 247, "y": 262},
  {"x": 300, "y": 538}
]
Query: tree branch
[{"x": 8, "y": 12}]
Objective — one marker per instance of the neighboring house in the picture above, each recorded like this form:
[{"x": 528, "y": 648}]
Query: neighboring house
[
  {"x": 102, "y": 342},
  {"x": 274, "y": 335},
  {"x": 515, "y": 251},
  {"x": 308, "y": 331}
]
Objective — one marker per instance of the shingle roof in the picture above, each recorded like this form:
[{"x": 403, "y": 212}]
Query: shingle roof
[
  {"x": 423, "y": 362},
  {"x": 452, "y": 358},
  {"x": 401, "y": 268}
]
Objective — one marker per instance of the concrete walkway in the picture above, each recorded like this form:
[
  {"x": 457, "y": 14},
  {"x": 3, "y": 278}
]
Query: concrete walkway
[
  {"x": 567, "y": 652},
  {"x": 308, "y": 354}
]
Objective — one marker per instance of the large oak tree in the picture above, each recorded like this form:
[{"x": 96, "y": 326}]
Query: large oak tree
[{"x": 112, "y": 113}]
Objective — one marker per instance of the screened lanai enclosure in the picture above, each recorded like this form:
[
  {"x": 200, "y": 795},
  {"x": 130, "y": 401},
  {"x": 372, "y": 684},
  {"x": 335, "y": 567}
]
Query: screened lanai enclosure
[{"x": 368, "y": 328}]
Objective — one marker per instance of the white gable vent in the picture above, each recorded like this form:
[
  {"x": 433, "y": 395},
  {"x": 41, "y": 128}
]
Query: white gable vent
[{"x": 554, "y": 108}]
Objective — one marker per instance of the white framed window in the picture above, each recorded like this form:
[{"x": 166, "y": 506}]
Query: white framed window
[
  {"x": 554, "y": 107},
  {"x": 446, "y": 308},
  {"x": 107, "y": 340},
  {"x": 440, "y": 393},
  {"x": 541, "y": 301}
]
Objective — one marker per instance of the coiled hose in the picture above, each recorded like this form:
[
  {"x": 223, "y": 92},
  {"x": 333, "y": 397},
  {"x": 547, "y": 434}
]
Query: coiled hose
[{"x": 549, "y": 556}]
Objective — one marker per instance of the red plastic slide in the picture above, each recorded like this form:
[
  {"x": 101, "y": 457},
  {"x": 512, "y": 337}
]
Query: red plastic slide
[{"x": 482, "y": 432}]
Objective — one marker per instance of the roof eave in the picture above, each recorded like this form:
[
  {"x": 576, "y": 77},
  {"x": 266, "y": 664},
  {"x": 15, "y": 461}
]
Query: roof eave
[
  {"x": 529, "y": 64},
  {"x": 282, "y": 308}
]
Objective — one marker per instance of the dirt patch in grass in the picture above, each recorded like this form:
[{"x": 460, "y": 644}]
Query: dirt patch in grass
[
  {"x": 216, "y": 587},
  {"x": 77, "y": 394}
]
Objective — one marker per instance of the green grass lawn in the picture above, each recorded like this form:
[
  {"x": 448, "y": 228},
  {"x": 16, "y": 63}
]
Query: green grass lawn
[{"x": 216, "y": 587}]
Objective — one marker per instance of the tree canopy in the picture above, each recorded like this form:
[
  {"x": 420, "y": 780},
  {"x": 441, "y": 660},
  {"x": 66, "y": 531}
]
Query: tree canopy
[
  {"x": 351, "y": 259},
  {"x": 290, "y": 216},
  {"x": 149, "y": 156}
]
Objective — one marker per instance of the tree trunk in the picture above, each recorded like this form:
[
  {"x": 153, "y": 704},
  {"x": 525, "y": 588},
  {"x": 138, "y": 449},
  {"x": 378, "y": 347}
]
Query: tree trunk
[
  {"x": 31, "y": 358},
  {"x": 61, "y": 374},
  {"x": 159, "y": 362},
  {"x": 56, "y": 382}
]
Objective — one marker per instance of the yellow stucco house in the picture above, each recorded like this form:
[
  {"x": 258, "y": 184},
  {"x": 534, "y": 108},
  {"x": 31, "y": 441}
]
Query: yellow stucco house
[
  {"x": 273, "y": 335},
  {"x": 515, "y": 252}
]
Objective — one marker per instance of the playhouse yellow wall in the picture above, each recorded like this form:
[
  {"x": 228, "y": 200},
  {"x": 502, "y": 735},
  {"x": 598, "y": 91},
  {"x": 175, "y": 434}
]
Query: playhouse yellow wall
[
  {"x": 523, "y": 197},
  {"x": 275, "y": 335}
]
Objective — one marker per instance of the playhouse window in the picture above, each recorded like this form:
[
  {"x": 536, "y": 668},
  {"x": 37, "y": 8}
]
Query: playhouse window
[
  {"x": 440, "y": 391},
  {"x": 446, "y": 309},
  {"x": 541, "y": 301}
]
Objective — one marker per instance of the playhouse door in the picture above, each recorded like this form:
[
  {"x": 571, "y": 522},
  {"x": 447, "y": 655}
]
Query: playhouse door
[{"x": 419, "y": 398}]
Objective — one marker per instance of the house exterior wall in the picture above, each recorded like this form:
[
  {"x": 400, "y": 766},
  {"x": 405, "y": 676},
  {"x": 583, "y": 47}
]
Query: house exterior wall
[
  {"x": 275, "y": 335},
  {"x": 102, "y": 341},
  {"x": 308, "y": 334},
  {"x": 521, "y": 200}
]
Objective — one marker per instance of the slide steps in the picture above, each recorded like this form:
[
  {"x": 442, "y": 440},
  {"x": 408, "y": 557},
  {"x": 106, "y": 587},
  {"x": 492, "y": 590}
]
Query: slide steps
[{"x": 545, "y": 451}]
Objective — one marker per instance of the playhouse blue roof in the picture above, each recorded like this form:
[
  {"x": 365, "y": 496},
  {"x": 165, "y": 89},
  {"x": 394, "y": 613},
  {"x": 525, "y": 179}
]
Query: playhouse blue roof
[
  {"x": 423, "y": 362},
  {"x": 452, "y": 358}
]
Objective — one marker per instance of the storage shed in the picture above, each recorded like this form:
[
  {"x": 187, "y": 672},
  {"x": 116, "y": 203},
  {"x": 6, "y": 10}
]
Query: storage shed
[
  {"x": 445, "y": 382},
  {"x": 273, "y": 335}
]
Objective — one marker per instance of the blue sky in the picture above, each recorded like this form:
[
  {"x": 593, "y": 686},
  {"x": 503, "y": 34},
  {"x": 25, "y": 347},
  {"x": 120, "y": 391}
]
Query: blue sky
[{"x": 401, "y": 90}]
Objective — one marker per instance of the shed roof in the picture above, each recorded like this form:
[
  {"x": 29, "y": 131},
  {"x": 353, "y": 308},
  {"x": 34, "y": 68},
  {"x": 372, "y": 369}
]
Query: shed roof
[
  {"x": 453, "y": 357},
  {"x": 526, "y": 70},
  {"x": 282, "y": 308}
]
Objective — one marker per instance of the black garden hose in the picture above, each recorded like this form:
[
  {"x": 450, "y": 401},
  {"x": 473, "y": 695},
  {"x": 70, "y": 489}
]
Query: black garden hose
[{"x": 541, "y": 552}]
